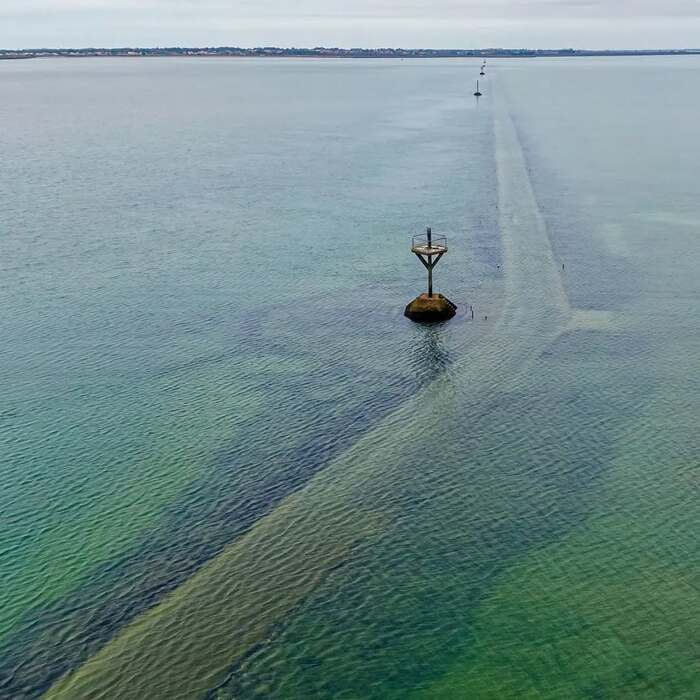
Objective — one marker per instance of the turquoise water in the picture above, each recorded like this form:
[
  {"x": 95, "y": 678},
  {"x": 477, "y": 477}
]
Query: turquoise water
[{"x": 231, "y": 468}]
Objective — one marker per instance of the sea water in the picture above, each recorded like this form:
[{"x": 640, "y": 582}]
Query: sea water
[{"x": 231, "y": 468}]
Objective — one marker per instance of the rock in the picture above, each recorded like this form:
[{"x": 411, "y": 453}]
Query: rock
[{"x": 430, "y": 309}]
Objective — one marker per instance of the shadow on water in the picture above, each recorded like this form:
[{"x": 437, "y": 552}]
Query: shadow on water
[{"x": 429, "y": 350}]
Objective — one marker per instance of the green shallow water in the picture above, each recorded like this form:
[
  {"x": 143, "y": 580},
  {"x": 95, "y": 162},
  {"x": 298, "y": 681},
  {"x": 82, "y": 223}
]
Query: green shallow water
[{"x": 362, "y": 508}]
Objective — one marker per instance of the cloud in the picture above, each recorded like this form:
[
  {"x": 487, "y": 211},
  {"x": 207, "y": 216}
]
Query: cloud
[
  {"x": 397, "y": 9},
  {"x": 589, "y": 23}
]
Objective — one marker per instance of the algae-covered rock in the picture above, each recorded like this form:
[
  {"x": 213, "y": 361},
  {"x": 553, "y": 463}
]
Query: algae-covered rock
[{"x": 430, "y": 309}]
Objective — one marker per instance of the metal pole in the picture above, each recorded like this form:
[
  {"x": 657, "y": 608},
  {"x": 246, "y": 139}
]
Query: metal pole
[{"x": 430, "y": 262}]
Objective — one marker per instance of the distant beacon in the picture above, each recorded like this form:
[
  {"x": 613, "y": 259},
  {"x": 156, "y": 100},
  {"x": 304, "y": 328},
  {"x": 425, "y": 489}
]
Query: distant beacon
[
  {"x": 430, "y": 307},
  {"x": 477, "y": 93}
]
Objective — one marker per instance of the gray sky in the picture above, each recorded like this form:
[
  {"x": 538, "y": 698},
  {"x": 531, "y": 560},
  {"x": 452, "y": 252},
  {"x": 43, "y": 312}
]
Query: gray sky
[{"x": 371, "y": 23}]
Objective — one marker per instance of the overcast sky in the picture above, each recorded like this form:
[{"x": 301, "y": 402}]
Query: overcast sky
[{"x": 371, "y": 23}]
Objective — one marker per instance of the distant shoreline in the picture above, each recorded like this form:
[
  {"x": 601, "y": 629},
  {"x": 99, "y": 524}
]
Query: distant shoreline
[{"x": 321, "y": 52}]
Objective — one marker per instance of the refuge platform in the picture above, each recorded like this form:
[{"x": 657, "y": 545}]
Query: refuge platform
[{"x": 429, "y": 245}]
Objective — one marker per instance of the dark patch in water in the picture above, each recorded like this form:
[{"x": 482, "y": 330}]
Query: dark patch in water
[
  {"x": 387, "y": 649},
  {"x": 215, "y": 510}
]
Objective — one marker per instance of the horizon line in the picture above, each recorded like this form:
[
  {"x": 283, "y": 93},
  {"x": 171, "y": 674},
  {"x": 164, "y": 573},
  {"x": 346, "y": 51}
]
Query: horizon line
[{"x": 230, "y": 47}]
